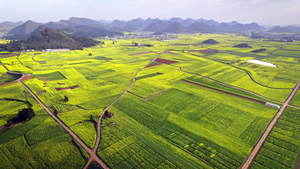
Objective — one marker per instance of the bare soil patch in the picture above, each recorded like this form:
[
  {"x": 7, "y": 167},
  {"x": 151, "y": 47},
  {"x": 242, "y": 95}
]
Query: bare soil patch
[
  {"x": 164, "y": 61},
  {"x": 9, "y": 83},
  {"x": 22, "y": 79},
  {"x": 253, "y": 100},
  {"x": 41, "y": 92},
  {"x": 202, "y": 51},
  {"x": 66, "y": 88},
  {"x": 154, "y": 65},
  {"x": 297, "y": 164},
  {"x": 26, "y": 78}
]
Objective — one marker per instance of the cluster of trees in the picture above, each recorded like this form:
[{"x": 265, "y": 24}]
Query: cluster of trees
[
  {"x": 108, "y": 114},
  {"x": 23, "y": 116}
]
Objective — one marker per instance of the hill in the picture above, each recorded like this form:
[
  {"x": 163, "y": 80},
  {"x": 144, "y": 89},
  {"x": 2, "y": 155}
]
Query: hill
[
  {"x": 210, "y": 41},
  {"x": 243, "y": 45},
  {"x": 26, "y": 28},
  {"x": 94, "y": 29},
  {"x": 174, "y": 28},
  {"x": 50, "y": 39},
  {"x": 76, "y": 26},
  {"x": 184, "y": 25},
  {"x": 7, "y": 26},
  {"x": 89, "y": 31},
  {"x": 74, "y": 22},
  {"x": 279, "y": 29},
  {"x": 157, "y": 26},
  {"x": 86, "y": 21},
  {"x": 83, "y": 27},
  {"x": 23, "y": 31},
  {"x": 199, "y": 28}
]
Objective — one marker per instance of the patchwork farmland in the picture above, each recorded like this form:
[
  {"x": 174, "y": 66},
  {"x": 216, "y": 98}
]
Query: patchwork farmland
[{"x": 170, "y": 105}]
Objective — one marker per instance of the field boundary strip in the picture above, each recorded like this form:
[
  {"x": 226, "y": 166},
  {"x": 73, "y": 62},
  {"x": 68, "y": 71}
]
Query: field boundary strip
[{"x": 243, "y": 97}]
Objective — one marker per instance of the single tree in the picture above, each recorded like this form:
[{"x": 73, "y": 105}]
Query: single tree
[
  {"x": 106, "y": 113},
  {"x": 55, "y": 112},
  {"x": 66, "y": 98},
  {"x": 92, "y": 118},
  {"x": 90, "y": 54}
]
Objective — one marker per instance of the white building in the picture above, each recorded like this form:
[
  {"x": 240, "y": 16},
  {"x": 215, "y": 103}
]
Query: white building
[
  {"x": 55, "y": 50},
  {"x": 272, "y": 105}
]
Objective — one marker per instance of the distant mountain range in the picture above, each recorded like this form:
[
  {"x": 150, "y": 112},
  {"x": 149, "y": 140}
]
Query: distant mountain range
[
  {"x": 91, "y": 28},
  {"x": 48, "y": 38}
]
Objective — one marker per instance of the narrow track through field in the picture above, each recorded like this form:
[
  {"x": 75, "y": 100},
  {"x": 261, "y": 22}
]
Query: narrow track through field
[
  {"x": 93, "y": 155},
  {"x": 251, "y": 158},
  {"x": 101, "y": 116}
]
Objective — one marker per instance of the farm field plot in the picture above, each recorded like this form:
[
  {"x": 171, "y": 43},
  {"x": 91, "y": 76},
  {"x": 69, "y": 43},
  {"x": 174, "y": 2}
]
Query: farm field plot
[
  {"x": 287, "y": 53},
  {"x": 296, "y": 100},
  {"x": 163, "y": 121},
  {"x": 259, "y": 79},
  {"x": 282, "y": 147},
  {"x": 9, "y": 108},
  {"x": 6, "y": 78},
  {"x": 38, "y": 143},
  {"x": 120, "y": 149},
  {"x": 178, "y": 113}
]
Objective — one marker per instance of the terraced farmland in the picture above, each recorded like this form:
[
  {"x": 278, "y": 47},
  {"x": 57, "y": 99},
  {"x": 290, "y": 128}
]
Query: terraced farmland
[{"x": 195, "y": 106}]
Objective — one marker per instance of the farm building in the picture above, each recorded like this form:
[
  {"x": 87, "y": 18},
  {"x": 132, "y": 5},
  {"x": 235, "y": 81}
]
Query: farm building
[
  {"x": 55, "y": 50},
  {"x": 272, "y": 105}
]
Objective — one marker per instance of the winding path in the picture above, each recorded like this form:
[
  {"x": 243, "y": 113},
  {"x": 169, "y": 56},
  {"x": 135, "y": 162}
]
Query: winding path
[
  {"x": 251, "y": 158},
  {"x": 102, "y": 114}
]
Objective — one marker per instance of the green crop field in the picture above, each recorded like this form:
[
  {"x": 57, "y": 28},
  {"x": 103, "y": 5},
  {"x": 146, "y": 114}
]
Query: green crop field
[
  {"x": 177, "y": 113},
  {"x": 39, "y": 143},
  {"x": 282, "y": 146}
]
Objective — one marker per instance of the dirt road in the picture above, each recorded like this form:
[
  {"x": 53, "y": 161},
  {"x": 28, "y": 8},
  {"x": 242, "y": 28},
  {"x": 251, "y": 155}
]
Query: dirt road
[
  {"x": 93, "y": 155},
  {"x": 251, "y": 158},
  {"x": 4, "y": 66},
  {"x": 101, "y": 116},
  {"x": 99, "y": 121}
]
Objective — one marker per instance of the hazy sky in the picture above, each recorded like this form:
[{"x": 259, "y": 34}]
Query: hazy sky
[{"x": 245, "y": 11}]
